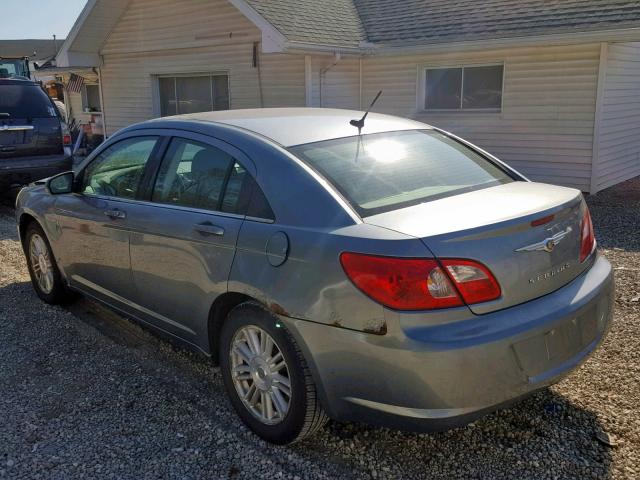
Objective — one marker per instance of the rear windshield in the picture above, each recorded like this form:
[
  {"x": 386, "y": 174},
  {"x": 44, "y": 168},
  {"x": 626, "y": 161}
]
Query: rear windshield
[
  {"x": 381, "y": 172},
  {"x": 25, "y": 101}
]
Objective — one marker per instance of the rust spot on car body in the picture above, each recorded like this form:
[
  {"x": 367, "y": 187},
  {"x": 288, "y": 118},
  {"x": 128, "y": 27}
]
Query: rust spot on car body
[
  {"x": 278, "y": 310},
  {"x": 380, "y": 329}
]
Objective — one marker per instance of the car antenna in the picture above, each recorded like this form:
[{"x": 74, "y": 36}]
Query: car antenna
[{"x": 359, "y": 124}]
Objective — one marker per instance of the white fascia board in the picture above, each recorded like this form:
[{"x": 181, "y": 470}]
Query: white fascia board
[
  {"x": 63, "y": 59},
  {"x": 272, "y": 40},
  {"x": 78, "y": 59}
]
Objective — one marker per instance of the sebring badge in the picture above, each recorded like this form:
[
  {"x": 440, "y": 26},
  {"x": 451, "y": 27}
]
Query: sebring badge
[{"x": 548, "y": 244}]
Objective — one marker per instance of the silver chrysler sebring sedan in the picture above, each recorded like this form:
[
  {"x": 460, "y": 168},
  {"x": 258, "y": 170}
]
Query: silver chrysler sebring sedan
[{"x": 381, "y": 271}]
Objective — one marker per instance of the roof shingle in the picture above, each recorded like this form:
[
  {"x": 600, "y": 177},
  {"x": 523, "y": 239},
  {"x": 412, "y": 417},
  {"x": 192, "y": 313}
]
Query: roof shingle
[
  {"x": 25, "y": 48},
  {"x": 438, "y": 21},
  {"x": 325, "y": 22},
  {"x": 346, "y": 23}
]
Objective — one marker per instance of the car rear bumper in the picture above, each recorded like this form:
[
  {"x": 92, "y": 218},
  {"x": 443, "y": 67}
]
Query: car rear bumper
[
  {"x": 427, "y": 377},
  {"x": 24, "y": 170}
]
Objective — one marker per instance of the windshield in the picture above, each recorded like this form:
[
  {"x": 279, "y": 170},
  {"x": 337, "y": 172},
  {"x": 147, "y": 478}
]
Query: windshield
[
  {"x": 13, "y": 68},
  {"x": 386, "y": 171},
  {"x": 25, "y": 101}
]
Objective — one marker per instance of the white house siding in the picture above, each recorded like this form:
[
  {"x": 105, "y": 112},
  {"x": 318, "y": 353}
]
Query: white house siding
[
  {"x": 618, "y": 145},
  {"x": 545, "y": 128},
  {"x": 156, "y": 37},
  {"x": 340, "y": 82}
]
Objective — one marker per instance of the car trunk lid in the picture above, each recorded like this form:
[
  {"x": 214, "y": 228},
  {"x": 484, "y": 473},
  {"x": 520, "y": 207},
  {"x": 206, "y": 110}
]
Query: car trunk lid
[{"x": 527, "y": 234}]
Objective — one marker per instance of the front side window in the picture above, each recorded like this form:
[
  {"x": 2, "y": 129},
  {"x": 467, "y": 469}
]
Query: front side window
[
  {"x": 464, "y": 88},
  {"x": 381, "y": 172},
  {"x": 185, "y": 94},
  {"x": 118, "y": 170}
]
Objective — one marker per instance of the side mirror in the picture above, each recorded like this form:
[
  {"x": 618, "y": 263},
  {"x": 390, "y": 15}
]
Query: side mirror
[{"x": 61, "y": 183}]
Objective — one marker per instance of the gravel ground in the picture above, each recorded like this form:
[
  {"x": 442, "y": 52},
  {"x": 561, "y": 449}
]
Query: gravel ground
[{"x": 87, "y": 394}]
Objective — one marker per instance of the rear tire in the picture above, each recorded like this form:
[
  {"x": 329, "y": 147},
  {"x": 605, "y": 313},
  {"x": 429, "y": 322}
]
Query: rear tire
[
  {"x": 261, "y": 362},
  {"x": 43, "y": 270}
]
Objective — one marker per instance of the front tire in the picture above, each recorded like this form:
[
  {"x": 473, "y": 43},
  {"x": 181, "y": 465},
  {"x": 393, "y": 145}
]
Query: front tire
[
  {"x": 267, "y": 378},
  {"x": 44, "y": 273}
]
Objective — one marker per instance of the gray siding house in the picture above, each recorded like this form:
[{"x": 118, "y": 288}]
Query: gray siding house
[{"x": 551, "y": 87}]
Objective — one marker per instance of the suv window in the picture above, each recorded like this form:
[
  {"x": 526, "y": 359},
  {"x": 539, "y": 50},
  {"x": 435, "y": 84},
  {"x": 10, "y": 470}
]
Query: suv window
[
  {"x": 118, "y": 170},
  {"x": 25, "y": 101}
]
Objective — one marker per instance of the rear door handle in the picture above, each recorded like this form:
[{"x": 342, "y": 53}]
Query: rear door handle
[
  {"x": 115, "y": 213},
  {"x": 209, "y": 229}
]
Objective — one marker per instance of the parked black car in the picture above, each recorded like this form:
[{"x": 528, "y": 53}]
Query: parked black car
[{"x": 34, "y": 141}]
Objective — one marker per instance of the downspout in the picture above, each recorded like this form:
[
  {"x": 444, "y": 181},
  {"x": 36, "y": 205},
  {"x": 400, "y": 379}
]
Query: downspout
[
  {"x": 308, "y": 81},
  {"x": 102, "y": 105},
  {"x": 360, "y": 86},
  {"x": 595, "y": 154},
  {"x": 323, "y": 72},
  {"x": 256, "y": 64}
]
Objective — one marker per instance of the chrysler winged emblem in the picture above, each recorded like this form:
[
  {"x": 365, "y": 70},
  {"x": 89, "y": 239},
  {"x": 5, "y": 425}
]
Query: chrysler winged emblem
[{"x": 548, "y": 244}]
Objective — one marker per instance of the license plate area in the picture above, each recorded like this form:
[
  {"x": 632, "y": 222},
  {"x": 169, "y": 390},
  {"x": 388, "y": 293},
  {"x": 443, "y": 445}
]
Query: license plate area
[
  {"x": 556, "y": 346},
  {"x": 19, "y": 137}
]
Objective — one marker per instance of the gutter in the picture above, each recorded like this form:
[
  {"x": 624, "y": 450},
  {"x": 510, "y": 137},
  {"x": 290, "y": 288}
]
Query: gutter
[
  {"x": 616, "y": 35},
  {"x": 367, "y": 48}
]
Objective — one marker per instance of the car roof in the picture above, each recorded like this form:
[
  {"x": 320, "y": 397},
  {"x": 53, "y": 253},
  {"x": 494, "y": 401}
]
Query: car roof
[
  {"x": 17, "y": 81},
  {"x": 296, "y": 126}
]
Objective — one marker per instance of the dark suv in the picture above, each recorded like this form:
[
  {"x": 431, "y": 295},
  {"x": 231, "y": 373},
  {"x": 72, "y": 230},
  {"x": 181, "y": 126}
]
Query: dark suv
[{"x": 34, "y": 141}]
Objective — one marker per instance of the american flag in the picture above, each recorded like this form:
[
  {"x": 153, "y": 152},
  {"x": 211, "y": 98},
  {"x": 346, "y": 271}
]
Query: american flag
[{"x": 75, "y": 83}]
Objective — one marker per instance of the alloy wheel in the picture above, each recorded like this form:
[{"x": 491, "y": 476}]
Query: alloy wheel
[
  {"x": 260, "y": 374},
  {"x": 41, "y": 263}
]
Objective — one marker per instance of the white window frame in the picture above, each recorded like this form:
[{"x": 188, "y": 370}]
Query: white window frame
[
  {"x": 422, "y": 88},
  {"x": 155, "y": 93},
  {"x": 85, "y": 97}
]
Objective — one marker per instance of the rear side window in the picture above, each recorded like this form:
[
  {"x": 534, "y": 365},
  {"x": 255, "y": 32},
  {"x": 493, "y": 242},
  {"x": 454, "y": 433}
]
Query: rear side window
[
  {"x": 386, "y": 171},
  {"x": 198, "y": 175},
  {"x": 25, "y": 101},
  {"x": 192, "y": 174}
]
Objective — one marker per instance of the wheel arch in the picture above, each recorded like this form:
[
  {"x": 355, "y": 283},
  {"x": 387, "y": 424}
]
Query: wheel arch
[
  {"x": 226, "y": 302},
  {"x": 25, "y": 220},
  {"x": 218, "y": 314}
]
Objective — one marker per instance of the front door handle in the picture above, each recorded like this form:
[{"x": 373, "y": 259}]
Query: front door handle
[
  {"x": 209, "y": 229},
  {"x": 115, "y": 213}
]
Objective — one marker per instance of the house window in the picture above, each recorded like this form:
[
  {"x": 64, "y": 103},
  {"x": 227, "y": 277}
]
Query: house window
[
  {"x": 190, "y": 94},
  {"x": 91, "y": 98},
  {"x": 463, "y": 88}
]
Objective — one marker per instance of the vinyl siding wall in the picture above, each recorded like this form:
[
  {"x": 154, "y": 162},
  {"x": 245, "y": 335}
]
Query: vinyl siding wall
[
  {"x": 618, "y": 146},
  {"x": 159, "y": 37},
  {"x": 340, "y": 82},
  {"x": 545, "y": 128}
]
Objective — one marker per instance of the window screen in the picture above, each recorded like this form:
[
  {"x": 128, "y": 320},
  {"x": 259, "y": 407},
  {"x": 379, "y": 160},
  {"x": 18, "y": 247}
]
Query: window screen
[
  {"x": 191, "y": 94},
  {"x": 464, "y": 88}
]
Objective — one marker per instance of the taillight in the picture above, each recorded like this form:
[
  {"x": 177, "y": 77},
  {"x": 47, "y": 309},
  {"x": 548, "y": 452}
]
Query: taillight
[
  {"x": 420, "y": 284},
  {"x": 475, "y": 282},
  {"x": 587, "y": 237},
  {"x": 66, "y": 139}
]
